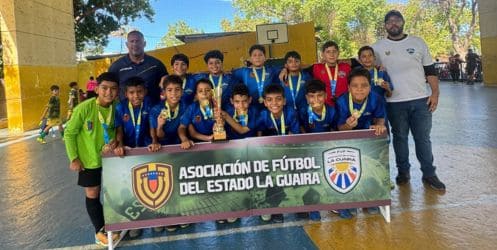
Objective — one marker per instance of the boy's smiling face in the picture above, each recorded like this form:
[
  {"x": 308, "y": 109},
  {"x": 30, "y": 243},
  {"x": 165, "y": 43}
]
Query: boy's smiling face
[
  {"x": 135, "y": 95},
  {"x": 292, "y": 64},
  {"x": 173, "y": 93},
  {"x": 180, "y": 68},
  {"x": 107, "y": 91},
  {"x": 359, "y": 88},
  {"x": 367, "y": 58},
  {"x": 274, "y": 102},
  {"x": 55, "y": 92},
  {"x": 215, "y": 66}
]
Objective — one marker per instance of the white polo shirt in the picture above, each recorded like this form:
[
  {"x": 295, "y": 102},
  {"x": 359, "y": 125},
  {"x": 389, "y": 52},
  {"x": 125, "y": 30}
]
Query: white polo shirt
[{"x": 404, "y": 61}]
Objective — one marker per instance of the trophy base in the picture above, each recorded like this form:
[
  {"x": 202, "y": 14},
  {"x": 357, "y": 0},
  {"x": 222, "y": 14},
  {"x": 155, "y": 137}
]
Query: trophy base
[{"x": 219, "y": 136}]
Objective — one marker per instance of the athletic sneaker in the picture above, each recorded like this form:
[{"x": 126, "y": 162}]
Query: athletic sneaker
[
  {"x": 315, "y": 215},
  {"x": 158, "y": 229},
  {"x": 278, "y": 218},
  {"x": 402, "y": 178},
  {"x": 172, "y": 228},
  {"x": 41, "y": 140},
  {"x": 266, "y": 217},
  {"x": 101, "y": 237},
  {"x": 133, "y": 233},
  {"x": 221, "y": 221},
  {"x": 231, "y": 220},
  {"x": 343, "y": 213}
]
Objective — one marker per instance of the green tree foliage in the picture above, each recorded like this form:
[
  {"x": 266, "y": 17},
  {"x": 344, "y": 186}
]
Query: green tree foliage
[
  {"x": 94, "y": 20},
  {"x": 446, "y": 25},
  {"x": 178, "y": 28}
]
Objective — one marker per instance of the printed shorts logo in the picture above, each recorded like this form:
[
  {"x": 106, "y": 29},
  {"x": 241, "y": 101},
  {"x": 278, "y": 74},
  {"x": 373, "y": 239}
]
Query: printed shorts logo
[
  {"x": 152, "y": 184},
  {"x": 342, "y": 168}
]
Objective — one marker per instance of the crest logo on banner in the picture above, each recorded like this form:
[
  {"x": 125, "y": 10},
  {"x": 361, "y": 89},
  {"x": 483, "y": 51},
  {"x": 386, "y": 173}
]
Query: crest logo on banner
[
  {"x": 152, "y": 184},
  {"x": 342, "y": 168}
]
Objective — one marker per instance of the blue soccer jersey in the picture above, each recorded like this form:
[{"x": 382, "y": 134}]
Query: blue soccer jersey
[
  {"x": 135, "y": 124},
  {"x": 226, "y": 81},
  {"x": 295, "y": 90},
  {"x": 268, "y": 126},
  {"x": 256, "y": 82},
  {"x": 375, "y": 108},
  {"x": 249, "y": 120},
  {"x": 202, "y": 123},
  {"x": 188, "y": 89},
  {"x": 170, "y": 128},
  {"x": 315, "y": 123}
]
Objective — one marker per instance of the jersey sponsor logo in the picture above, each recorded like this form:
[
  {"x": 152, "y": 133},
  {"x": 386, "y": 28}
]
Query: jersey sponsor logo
[
  {"x": 125, "y": 118},
  {"x": 125, "y": 69},
  {"x": 342, "y": 168},
  {"x": 411, "y": 50},
  {"x": 152, "y": 184},
  {"x": 341, "y": 74}
]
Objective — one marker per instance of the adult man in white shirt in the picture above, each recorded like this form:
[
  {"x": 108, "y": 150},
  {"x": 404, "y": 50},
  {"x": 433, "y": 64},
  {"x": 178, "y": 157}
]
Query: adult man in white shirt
[{"x": 410, "y": 65}]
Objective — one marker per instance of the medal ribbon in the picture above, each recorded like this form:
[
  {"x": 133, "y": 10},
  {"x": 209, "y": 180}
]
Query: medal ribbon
[
  {"x": 351, "y": 106},
  {"x": 184, "y": 83},
  {"x": 260, "y": 81},
  {"x": 176, "y": 111},
  {"x": 282, "y": 124},
  {"x": 218, "y": 87},
  {"x": 242, "y": 119},
  {"x": 294, "y": 94},
  {"x": 137, "y": 124},
  {"x": 333, "y": 81},
  {"x": 313, "y": 117},
  {"x": 105, "y": 123},
  {"x": 207, "y": 112}
]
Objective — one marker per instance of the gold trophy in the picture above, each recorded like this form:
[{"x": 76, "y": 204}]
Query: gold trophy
[{"x": 219, "y": 133}]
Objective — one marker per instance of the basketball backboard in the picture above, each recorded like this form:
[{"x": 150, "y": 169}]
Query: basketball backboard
[{"x": 272, "y": 33}]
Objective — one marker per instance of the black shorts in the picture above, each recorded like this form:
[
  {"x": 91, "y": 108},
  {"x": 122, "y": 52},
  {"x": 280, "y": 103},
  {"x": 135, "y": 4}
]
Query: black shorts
[{"x": 90, "y": 177}]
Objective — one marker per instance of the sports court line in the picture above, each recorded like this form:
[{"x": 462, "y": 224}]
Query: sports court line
[{"x": 481, "y": 200}]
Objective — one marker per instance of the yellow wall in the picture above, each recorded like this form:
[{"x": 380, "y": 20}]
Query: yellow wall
[
  {"x": 488, "y": 30},
  {"x": 38, "y": 51},
  {"x": 235, "y": 50}
]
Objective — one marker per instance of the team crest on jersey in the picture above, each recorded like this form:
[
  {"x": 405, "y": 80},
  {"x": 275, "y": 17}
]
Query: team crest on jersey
[
  {"x": 387, "y": 52},
  {"x": 152, "y": 184},
  {"x": 342, "y": 168},
  {"x": 125, "y": 117},
  {"x": 410, "y": 51},
  {"x": 341, "y": 74},
  {"x": 188, "y": 91}
]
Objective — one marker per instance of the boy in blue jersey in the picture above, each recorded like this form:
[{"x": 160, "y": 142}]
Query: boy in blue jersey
[
  {"x": 198, "y": 118},
  {"x": 180, "y": 64},
  {"x": 294, "y": 84},
  {"x": 165, "y": 117},
  {"x": 257, "y": 76},
  {"x": 221, "y": 81},
  {"x": 361, "y": 108},
  {"x": 277, "y": 119},
  {"x": 380, "y": 81},
  {"x": 316, "y": 116},
  {"x": 240, "y": 116},
  {"x": 132, "y": 117}
]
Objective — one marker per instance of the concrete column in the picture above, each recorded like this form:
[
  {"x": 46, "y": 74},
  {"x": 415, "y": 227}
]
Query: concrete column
[
  {"x": 488, "y": 19},
  {"x": 38, "y": 51}
]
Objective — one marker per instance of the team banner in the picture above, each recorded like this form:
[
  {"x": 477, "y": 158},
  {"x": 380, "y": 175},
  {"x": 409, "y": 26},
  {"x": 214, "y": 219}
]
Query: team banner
[{"x": 264, "y": 175}]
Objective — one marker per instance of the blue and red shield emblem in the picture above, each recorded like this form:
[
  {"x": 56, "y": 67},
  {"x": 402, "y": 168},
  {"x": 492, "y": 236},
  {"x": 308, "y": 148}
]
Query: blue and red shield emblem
[
  {"x": 152, "y": 184},
  {"x": 342, "y": 168}
]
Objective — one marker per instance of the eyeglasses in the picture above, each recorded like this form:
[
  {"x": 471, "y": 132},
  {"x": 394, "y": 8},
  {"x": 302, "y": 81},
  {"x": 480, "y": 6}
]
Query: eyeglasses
[{"x": 394, "y": 21}]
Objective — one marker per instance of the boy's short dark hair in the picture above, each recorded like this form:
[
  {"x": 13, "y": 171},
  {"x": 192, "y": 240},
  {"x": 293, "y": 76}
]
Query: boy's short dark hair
[
  {"x": 274, "y": 89},
  {"x": 135, "y": 32},
  {"x": 54, "y": 87},
  {"x": 240, "y": 89},
  {"x": 134, "y": 81},
  {"x": 108, "y": 76},
  {"x": 172, "y": 79},
  {"x": 92, "y": 78},
  {"x": 356, "y": 72},
  {"x": 364, "y": 48},
  {"x": 213, "y": 54},
  {"x": 292, "y": 54},
  {"x": 314, "y": 86},
  {"x": 203, "y": 80},
  {"x": 329, "y": 44},
  {"x": 180, "y": 57},
  {"x": 257, "y": 47},
  {"x": 73, "y": 84}
]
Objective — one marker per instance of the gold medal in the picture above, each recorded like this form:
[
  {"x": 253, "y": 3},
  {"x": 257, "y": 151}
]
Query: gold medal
[
  {"x": 106, "y": 149},
  {"x": 356, "y": 114},
  {"x": 164, "y": 114},
  {"x": 261, "y": 100}
]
